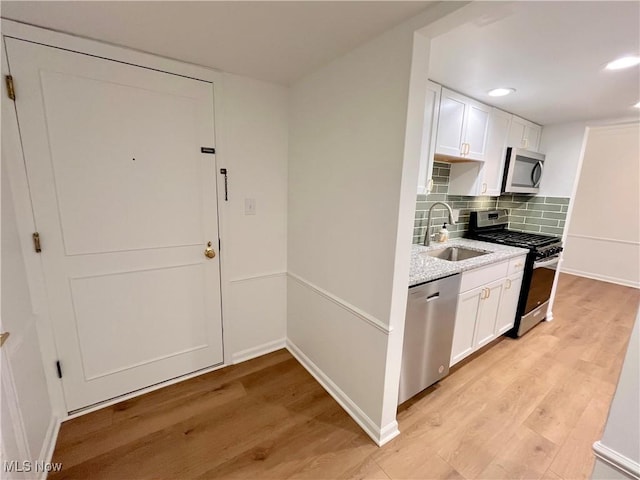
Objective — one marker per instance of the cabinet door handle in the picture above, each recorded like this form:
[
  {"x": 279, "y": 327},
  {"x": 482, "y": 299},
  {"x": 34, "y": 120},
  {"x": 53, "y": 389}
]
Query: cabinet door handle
[
  {"x": 508, "y": 284},
  {"x": 462, "y": 149},
  {"x": 484, "y": 188},
  {"x": 483, "y": 294},
  {"x": 525, "y": 143},
  {"x": 488, "y": 292}
]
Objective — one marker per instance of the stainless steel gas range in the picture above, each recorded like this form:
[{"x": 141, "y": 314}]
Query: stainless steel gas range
[{"x": 540, "y": 269}]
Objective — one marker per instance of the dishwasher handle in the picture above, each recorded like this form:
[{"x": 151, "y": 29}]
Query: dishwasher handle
[{"x": 433, "y": 296}]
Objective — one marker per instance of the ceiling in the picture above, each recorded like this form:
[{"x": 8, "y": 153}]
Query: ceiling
[
  {"x": 552, "y": 53},
  {"x": 274, "y": 41}
]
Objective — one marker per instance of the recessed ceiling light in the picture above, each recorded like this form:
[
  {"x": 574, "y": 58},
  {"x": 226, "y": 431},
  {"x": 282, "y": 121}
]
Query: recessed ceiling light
[
  {"x": 624, "y": 62},
  {"x": 637, "y": 105},
  {"x": 501, "y": 92}
]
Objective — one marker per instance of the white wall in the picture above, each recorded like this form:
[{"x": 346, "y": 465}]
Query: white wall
[
  {"x": 253, "y": 143},
  {"x": 604, "y": 218},
  {"x": 620, "y": 443},
  {"x": 349, "y": 225},
  {"x": 562, "y": 145}
]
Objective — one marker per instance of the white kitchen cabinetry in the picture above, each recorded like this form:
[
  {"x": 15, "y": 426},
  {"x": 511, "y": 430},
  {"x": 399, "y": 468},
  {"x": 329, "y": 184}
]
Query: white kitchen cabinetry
[
  {"x": 484, "y": 178},
  {"x": 488, "y": 313},
  {"x": 465, "y": 327},
  {"x": 462, "y": 127},
  {"x": 475, "y": 319},
  {"x": 524, "y": 134},
  {"x": 508, "y": 303},
  {"x": 493, "y": 167},
  {"x": 429, "y": 129},
  {"x": 487, "y": 305}
]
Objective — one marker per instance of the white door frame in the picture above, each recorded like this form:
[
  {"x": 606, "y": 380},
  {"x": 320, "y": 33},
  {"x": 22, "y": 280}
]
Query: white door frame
[{"x": 22, "y": 199}]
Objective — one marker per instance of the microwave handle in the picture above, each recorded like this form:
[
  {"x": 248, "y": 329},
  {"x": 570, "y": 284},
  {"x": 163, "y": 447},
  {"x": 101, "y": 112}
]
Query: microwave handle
[{"x": 536, "y": 181}]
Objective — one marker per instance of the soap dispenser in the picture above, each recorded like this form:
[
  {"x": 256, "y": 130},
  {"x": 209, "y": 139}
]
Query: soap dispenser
[{"x": 443, "y": 234}]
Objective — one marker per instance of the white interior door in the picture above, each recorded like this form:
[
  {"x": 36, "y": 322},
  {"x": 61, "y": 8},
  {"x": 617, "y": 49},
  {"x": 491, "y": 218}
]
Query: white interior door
[{"x": 125, "y": 203}]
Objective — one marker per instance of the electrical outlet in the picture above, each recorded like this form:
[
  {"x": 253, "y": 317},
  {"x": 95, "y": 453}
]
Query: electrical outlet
[
  {"x": 456, "y": 214},
  {"x": 249, "y": 206}
]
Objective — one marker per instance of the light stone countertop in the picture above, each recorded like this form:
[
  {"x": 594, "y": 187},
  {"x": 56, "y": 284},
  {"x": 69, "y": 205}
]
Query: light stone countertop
[{"x": 425, "y": 268}]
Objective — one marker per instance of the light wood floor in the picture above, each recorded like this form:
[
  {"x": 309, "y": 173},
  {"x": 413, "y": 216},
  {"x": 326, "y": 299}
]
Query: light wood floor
[{"x": 526, "y": 408}]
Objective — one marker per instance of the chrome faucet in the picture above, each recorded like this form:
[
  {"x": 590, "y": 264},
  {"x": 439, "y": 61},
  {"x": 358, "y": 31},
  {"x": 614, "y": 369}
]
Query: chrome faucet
[{"x": 427, "y": 237}]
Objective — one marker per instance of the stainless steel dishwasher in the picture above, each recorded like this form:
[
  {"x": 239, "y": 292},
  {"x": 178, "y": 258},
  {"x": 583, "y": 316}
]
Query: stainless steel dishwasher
[{"x": 428, "y": 334}]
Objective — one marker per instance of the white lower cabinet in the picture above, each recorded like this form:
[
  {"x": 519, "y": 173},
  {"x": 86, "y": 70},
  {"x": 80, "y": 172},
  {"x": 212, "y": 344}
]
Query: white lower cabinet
[
  {"x": 488, "y": 314},
  {"x": 466, "y": 316},
  {"x": 486, "y": 306},
  {"x": 508, "y": 304}
]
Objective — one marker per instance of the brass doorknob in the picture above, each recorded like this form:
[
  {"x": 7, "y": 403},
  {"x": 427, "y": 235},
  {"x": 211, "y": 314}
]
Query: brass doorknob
[{"x": 209, "y": 252}]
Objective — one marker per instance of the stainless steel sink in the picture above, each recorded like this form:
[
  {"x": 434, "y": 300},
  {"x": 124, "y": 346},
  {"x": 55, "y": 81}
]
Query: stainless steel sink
[{"x": 455, "y": 254}]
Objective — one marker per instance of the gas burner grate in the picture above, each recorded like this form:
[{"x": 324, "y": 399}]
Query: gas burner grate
[{"x": 516, "y": 239}]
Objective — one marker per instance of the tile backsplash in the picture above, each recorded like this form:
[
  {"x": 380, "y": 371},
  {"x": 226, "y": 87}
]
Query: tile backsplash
[{"x": 527, "y": 213}]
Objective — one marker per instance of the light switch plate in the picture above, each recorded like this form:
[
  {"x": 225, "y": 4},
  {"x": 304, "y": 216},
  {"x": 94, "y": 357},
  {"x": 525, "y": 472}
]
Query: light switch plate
[{"x": 249, "y": 206}]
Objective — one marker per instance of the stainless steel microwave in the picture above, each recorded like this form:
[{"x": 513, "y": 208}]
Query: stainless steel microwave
[{"x": 523, "y": 171}]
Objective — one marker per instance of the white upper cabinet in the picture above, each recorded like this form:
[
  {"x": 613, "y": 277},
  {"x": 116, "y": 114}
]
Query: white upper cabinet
[
  {"x": 462, "y": 127},
  {"x": 429, "y": 129},
  {"x": 451, "y": 124},
  {"x": 484, "y": 178},
  {"x": 493, "y": 167},
  {"x": 477, "y": 128},
  {"x": 524, "y": 134}
]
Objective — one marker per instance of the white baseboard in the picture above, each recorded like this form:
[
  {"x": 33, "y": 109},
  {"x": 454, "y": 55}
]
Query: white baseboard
[
  {"x": 628, "y": 467},
  {"x": 379, "y": 435},
  {"x": 49, "y": 444},
  {"x": 249, "y": 353},
  {"x": 602, "y": 278},
  {"x": 388, "y": 433}
]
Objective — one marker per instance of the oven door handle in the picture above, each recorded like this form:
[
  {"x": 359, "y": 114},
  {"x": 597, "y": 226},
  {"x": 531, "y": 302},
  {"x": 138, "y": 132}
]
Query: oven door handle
[{"x": 546, "y": 263}]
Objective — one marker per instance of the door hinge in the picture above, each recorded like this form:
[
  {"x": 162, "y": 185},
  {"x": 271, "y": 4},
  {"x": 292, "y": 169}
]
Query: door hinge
[
  {"x": 11, "y": 93},
  {"x": 219, "y": 245},
  {"x": 36, "y": 242},
  {"x": 59, "y": 368}
]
